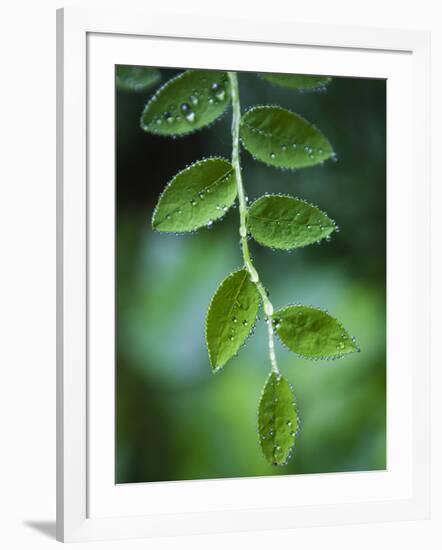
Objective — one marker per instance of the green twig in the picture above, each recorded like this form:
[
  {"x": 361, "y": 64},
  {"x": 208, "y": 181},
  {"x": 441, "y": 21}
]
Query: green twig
[{"x": 254, "y": 277}]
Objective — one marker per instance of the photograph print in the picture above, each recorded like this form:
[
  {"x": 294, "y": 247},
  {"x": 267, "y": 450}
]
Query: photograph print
[{"x": 250, "y": 274}]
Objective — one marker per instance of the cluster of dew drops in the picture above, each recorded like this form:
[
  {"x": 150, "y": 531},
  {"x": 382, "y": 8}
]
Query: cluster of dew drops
[
  {"x": 309, "y": 226},
  {"x": 308, "y": 149},
  {"x": 238, "y": 323},
  {"x": 235, "y": 322},
  {"x": 221, "y": 208},
  {"x": 216, "y": 93}
]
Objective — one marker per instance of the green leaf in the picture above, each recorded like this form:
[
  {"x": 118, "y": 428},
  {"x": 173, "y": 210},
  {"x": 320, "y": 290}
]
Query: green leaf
[
  {"x": 284, "y": 222},
  {"x": 299, "y": 81},
  {"x": 277, "y": 420},
  {"x": 187, "y": 103},
  {"x": 132, "y": 78},
  {"x": 196, "y": 196},
  {"x": 313, "y": 333},
  {"x": 231, "y": 317},
  {"x": 282, "y": 139}
]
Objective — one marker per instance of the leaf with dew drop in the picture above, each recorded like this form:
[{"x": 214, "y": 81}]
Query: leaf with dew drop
[
  {"x": 190, "y": 101},
  {"x": 196, "y": 196},
  {"x": 230, "y": 317},
  {"x": 284, "y": 222},
  {"x": 303, "y": 82},
  {"x": 277, "y": 420},
  {"x": 134, "y": 78},
  {"x": 313, "y": 333},
  {"x": 283, "y": 139}
]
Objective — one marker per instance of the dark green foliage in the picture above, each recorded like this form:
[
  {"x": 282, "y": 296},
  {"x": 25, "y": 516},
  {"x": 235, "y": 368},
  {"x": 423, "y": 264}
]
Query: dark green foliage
[
  {"x": 131, "y": 78},
  {"x": 283, "y": 139},
  {"x": 297, "y": 81},
  {"x": 188, "y": 102},
  {"x": 196, "y": 196}
]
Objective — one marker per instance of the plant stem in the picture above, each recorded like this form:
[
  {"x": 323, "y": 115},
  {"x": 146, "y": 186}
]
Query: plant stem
[{"x": 254, "y": 277}]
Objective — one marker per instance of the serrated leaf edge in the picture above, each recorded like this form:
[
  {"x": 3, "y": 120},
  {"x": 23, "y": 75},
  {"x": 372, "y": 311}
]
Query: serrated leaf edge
[
  {"x": 356, "y": 349},
  {"x": 263, "y": 197},
  {"x": 216, "y": 369},
  {"x": 257, "y": 130},
  {"x": 216, "y": 182},
  {"x": 298, "y": 420},
  {"x": 153, "y": 131},
  {"x": 300, "y": 89}
]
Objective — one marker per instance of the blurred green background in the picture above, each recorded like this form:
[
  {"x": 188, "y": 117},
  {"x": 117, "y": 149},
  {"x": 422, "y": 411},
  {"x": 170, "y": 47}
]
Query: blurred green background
[{"x": 175, "y": 419}]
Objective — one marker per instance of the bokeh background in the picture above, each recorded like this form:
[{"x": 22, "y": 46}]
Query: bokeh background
[{"x": 175, "y": 419}]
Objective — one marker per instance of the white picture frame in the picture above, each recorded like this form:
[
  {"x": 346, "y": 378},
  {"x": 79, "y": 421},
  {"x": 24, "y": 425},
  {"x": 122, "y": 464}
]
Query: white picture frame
[{"x": 89, "y": 505}]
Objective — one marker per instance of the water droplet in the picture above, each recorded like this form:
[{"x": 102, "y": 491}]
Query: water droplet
[
  {"x": 234, "y": 320},
  {"x": 272, "y": 155},
  {"x": 245, "y": 323},
  {"x": 168, "y": 117},
  {"x": 190, "y": 117},
  {"x": 185, "y": 107},
  {"x": 218, "y": 91},
  {"x": 283, "y": 147},
  {"x": 193, "y": 202},
  {"x": 193, "y": 99},
  {"x": 328, "y": 238},
  {"x": 209, "y": 223},
  {"x": 309, "y": 226},
  {"x": 289, "y": 423},
  {"x": 294, "y": 145}
]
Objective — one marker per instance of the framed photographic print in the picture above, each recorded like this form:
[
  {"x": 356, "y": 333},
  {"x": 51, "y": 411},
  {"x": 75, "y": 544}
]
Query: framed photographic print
[{"x": 243, "y": 302}]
